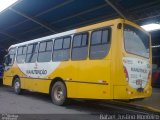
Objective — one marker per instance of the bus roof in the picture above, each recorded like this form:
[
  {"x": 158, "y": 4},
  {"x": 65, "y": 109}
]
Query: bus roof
[
  {"x": 63, "y": 33},
  {"x": 44, "y": 38}
]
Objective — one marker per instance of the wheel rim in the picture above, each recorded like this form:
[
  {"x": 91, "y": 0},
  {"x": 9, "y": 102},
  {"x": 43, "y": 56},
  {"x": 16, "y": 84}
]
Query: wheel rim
[
  {"x": 16, "y": 86},
  {"x": 58, "y": 93}
]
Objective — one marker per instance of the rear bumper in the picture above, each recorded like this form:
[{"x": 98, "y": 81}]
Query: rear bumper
[{"x": 126, "y": 92}]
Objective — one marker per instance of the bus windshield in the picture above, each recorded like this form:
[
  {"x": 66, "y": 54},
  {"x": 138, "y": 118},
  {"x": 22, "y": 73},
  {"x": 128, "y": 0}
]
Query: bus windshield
[{"x": 136, "y": 41}]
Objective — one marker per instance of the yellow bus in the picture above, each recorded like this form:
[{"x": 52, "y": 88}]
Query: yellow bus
[{"x": 107, "y": 60}]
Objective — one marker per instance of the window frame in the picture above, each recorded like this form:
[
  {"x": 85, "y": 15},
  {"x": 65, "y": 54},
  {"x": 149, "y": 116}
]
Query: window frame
[
  {"x": 68, "y": 36},
  {"x": 22, "y": 53},
  {"x": 69, "y": 42},
  {"x": 62, "y": 42},
  {"x": 109, "y": 40},
  {"x": 13, "y": 48},
  {"x": 54, "y": 44},
  {"x": 124, "y": 42},
  {"x": 81, "y": 33},
  {"x": 19, "y": 48},
  {"x": 45, "y": 49},
  {"x": 15, "y": 55},
  {"x": 87, "y": 45},
  {"x": 102, "y": 29},
  {"x": 32, "y": 53}
]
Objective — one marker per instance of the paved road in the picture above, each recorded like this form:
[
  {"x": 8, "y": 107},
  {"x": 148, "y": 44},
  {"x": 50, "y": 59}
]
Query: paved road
[
  {"x": 36, "y": 103},
  {"x": 153, "y": 101}
]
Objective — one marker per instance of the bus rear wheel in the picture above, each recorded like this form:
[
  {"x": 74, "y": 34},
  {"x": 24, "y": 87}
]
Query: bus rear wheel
[
  {"x": 59, "y": 94},
  {"x": 17, "y": 86}
]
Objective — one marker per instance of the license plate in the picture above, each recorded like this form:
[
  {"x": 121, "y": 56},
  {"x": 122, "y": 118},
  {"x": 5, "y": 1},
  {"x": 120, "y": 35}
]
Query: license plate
[{"x": 138, "y": 82}]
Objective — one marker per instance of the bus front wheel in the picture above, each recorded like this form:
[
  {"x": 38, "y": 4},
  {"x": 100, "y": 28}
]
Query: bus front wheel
[
  {"x": 59, "y": 93},
  {"x": 17, "y": 86}
]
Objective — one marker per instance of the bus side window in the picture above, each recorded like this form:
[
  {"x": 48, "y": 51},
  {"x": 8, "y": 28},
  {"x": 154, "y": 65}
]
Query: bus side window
[
  {"x": 45, "y": 51},
  {"x": 61, "y": 50},
  {"x": 21, "y": 54},
  {"x": 80, "y": 46},
  {"x": 100, "y": 43},
  {"x": 32, "y": 53},
  {"x": 10, "y": 58}
]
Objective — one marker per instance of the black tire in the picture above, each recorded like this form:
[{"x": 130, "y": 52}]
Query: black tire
[
  {"x": 17, "y": 86},
  {"x": 59, "y": 94}
]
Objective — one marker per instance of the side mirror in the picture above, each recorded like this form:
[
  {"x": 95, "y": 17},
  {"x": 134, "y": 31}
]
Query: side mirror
[{"x": 6, "y": 60}]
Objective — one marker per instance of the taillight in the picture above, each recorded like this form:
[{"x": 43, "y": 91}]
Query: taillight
[
  {"x": 126, "y": 73},
  {"x": 149, "y": 75}
]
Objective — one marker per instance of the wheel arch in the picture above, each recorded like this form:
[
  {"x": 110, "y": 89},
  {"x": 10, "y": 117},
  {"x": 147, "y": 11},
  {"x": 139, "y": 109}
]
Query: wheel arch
[
  {"x": 16, "y": 76},
  {"x": 54, "y": 81}
]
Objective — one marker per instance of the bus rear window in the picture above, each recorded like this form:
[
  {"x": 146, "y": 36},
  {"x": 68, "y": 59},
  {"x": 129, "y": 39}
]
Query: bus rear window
[{"x": 136, "y": 41}]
